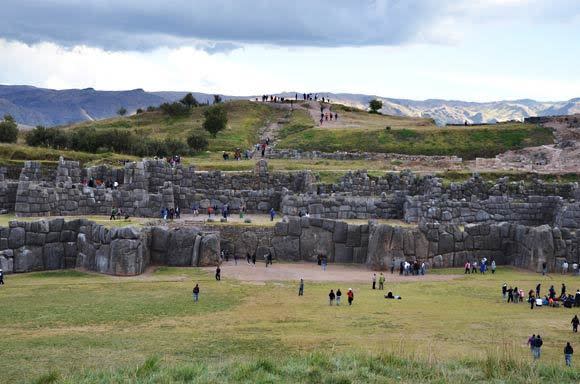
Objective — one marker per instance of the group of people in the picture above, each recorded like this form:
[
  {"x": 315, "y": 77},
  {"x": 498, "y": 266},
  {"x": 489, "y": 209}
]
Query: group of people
[
  {"x": 535, "y": 298},
  {"x": 171, "y": 213},
  {"x": 410, "y": 269},
  {"x": 117, "y": 213},
  {"x": 575, "y": 268},
  {"x": 481, "y": 266},
  {"x": 381, "y": 281},
  {"x": 332, "y": 297},
  {"x": 328, "y": 115},
  {"x": 535, "y": 343},
  {"x": 99, "y": 184}
]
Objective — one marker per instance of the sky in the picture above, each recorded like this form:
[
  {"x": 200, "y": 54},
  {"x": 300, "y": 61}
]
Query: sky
[{"x": 474, "y": 50}]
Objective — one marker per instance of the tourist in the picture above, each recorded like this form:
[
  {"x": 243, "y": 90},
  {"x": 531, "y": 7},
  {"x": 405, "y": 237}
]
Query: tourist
[
  {"x": 254, "y": 259},
  {"x": 552, "y": 292},
  {"x": 196, "y": 293},
  {"x": 171, "y": 214},
  {"x": 248, "y": 258},
  {"x": 504, "y": 291},
  {"x": 209, "y": 212},
  {"x": 568, "y": 352},
  {"x": 235, "y": 259},
  {"x": 1, "y": 277},
  {"x": 467, "y": 267},
  {"x": 574, "y": 322},
  {"x": 538, "y": 289},
  {"x": 531, "y": 342},
  {"x": 381, "y": 281},
  {"x": 575, "y": 269},
  {"x": 474, "y": 267},
  {"x": 423, "y": 269},
  {"x": 113, "y": 214},
  {"x": 323, "y": 262},
  {"x": 336, "y": 116},
  {"x": 177, "y": 213},
  {"x": 392, "y": 266},
  {"x": 401, "y": 267},
  {"x": 577, "y": 298},
  {"x": 531, "y": 298},
  {"x": 492, "y": 267},
  {"x": 338, "y": 296},
  {"x": 350, "y": 295},
  {"x": 565, "y": 267},
  {"x": 538, "y": 342},
  {"x": 331, "y": 297},
  {"x": 115, "y": 185},
  {"x": 516, "y": 295},
  {"x": 374, "y": 279},
  {"x": 544, "y": 268},
  {"x": 269, "y": 259},
  {"x": 194, "y": 209},
  {"x": 510, "y": 292},
  {"x": 391, "y": 296},
  {"x": 272, "y": 214},
  {"x": 218, "y": 273},
  {"x": 301, "y": 288},
  {"x": 563, "y": 290}
]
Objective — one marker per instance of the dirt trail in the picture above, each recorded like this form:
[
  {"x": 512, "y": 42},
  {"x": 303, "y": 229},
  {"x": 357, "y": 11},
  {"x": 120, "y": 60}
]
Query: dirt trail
[{"x": 312, "y": 272}]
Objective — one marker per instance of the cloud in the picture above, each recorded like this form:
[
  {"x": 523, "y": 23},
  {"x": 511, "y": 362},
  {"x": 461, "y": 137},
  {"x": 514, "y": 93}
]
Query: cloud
[{"x": 144, "y": 24}]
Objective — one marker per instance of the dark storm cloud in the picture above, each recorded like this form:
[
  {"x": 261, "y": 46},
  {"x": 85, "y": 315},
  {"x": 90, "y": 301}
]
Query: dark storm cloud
[
  {"x": 139, "y": 25},
  {"x": 218, "y": 25}
]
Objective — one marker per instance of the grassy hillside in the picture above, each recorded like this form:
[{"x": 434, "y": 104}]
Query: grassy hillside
[
  {"x": 466, "y": 142},
  {"x": 244, "y": 120},
  {"x": 72, "y": 327}
]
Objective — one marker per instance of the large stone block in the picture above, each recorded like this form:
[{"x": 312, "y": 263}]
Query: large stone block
[
  {"x": 286, "y": 247},
  {"x": 342, "y": 253},
  {"x": 294, "y": 227},
  {"x": 127, "y": 257},
  {"x": 209, "y": 251},
  {"x": 53, "y": 256},
  {"x": 180, "y": 247},
  {"x": 353, "y": 237},
  {"x": 16, "y": 238},
  {"x": 34, "y": 238},
  {"x": 28, "y": 259},
  {"x": 316, "y": 241},
  {"x": 340, "y": 232}
]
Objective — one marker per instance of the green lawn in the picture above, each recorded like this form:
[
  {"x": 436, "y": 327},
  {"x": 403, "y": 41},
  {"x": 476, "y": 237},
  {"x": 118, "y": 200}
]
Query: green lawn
[
  {"x": 465, "y": 142},
  {"x": 84, "y": 328}
]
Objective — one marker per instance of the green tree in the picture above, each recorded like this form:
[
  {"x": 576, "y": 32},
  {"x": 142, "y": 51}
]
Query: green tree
[
  {"x": 122, "y": 111},
  {"x": 197, "y": 142},
  {"x": 189, "y": 100},
  {"x": 216, "y": 119},
  {"x": 375, "y": 105},
  {"x": 8, "y": 130},
  {"x": 217, "y": 99}
]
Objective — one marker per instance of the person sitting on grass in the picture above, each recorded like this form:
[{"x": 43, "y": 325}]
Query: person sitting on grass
[{"x": 391, "y": 296}]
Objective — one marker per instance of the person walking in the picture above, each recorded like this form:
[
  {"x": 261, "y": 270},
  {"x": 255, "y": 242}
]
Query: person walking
[
  {"x": 301, "y": 288},
  {"x": 269, "y": 259},
  {"x": 323, "y": 263},
  {"x": 531, "y": 298},
  {"x": 350, "y": 295},
  {"x": 218, "y": 273},
  {"x": 331, "y": 297},
  {"x": 196, "y": 293},
  {"x": 254, "y": 259},
  {"x": 381, "y": 281},
  {"x": 568, "y": 352},
  {"x": 338, "y": 296},
  {"x": 467, "y": 267},
  {"x": 538, "y": 289},
  {"x": 531, "y": 342},
  {"x": 374, "y": 279},
  {"x": 272, "y": 214},
  {"x": 574, "y": 321},
  {"x": 113, "y": 214},
  {"x": 563, "y": 290},
  {"x": 538, "y": 342},
  {"x": 493, "y": 266}
]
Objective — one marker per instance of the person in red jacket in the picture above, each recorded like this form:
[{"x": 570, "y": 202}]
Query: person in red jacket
[{"x": 350, "y": 295}]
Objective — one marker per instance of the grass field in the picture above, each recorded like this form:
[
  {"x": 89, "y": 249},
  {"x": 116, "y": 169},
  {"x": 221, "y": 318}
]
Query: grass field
[
  {"x": 83, "y": 328},
  {"x": 465, "y": 142}
]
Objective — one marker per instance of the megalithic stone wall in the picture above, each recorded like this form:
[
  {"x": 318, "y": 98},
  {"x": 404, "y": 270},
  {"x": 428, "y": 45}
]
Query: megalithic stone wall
[{"x": 127, "y": 251}]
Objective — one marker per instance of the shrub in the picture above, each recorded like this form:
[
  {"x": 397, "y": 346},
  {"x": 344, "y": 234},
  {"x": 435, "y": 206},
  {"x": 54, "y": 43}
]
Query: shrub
[
  {"x": 216, "y": 119},
  {"x": 8, "y": 130},
  {"x": 375, "y": 105},
  {"x": 197, "y": 142},
  {"x": 175, "y": 109}
]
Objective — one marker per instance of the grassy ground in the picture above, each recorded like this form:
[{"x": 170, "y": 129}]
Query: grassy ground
[
  {"x": 465, "y": 142},
  {"x": 74, "y": 327},
  {"x": 244, "y": 120}
]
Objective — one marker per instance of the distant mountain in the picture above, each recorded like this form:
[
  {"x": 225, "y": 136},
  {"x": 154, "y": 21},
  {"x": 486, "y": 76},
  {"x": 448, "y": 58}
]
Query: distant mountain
[
  {"x": 37, "y": 106},
  {"x": 49, "y": 107}
]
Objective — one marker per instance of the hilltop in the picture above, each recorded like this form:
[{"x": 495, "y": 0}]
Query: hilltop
[{"x": 33, "y": 106}]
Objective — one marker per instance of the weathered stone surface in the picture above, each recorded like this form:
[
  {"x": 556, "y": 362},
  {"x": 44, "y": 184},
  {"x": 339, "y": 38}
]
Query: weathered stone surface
[
  {"x": 6, "y": 264},
  {"x": 286, "y": 247},
  {"x": 180, "y": 247},
  {"x": 340, "y": 232},
  {"x": 127, "y": 257},
  {"x": 28, "y": 259},
  {"x": 16, "y": 238},
  {"x": 210, "y": 251},
  {"x": 342, "y": 253},
  {"x": 53, "y": 256},
  {"x": 316, "y": 241},
  {"x": 294, "y": 226}
]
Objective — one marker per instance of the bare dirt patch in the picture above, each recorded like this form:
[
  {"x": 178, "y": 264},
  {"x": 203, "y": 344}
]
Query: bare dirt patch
[{"x": 313, "y": 272}]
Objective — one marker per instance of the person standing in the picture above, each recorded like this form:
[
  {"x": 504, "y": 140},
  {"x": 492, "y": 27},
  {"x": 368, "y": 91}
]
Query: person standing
[
  {"x": 392, "y": 266},
  {"x": 538, "y": 289},
  {"x": 374, "y": 278},
  {"x": 269, "y": 259},
  {"x": 568, "y": 352},
  {"x": 493, "y": 267},
  {"x": 254, "y": 259},
  {"x": 544, "y": 268},
  {"x": 504, "y": 291},
  {"x": 301, "y": 288},
  {"x": 350, "y": 295},
  {"x": 510, "y": 292},
  {"x": 338, "y": 296},
  {"x": 575, "y": 321},
  {"x": 531, "y": 298},
  {"x": 272, "y": 211},
  {"x": 218, "y": 273},
  {"x": 467, "y": 267},
  {"x": 563, "y": 290},
  {"x": 538, "y": 342},
  {"x": 324, "y": 263},
  {"x": 1, "y": 277},
  {"x": 531, "y": 342},
  {"x": 331, "y": 297},
  {"x": 196, "y": 293},
  {"x": 381, "y": 281}
]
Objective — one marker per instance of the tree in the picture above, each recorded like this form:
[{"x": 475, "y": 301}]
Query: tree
[
  {"x": 189, "y": 100},
  {"x": 197, "y": 142},
  {"x": 375, "y": 105},
  {"x": 175, "y": 109},
  {"x": 8, "y": 130},
  {"x": 139, "y": 111},
  {"x": 217, "y": 99},
  {"x": 216, "y": 119},
  {"x": 122, "y": 111}
]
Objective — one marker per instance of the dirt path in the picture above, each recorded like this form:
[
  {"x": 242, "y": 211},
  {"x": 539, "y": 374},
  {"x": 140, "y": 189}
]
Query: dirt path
[{"x": 312, "y": 272}]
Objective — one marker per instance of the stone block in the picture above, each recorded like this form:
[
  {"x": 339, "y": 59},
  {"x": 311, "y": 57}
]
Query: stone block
[
  {"x": 294, "y": 227},
  {"x": 16, "y": 238},
  {"x": 340, "y": 232},
  {"x": 53, "y": 256},
  {"x": 353, "y": 237},
  {"x": 342, "y": 253}
]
